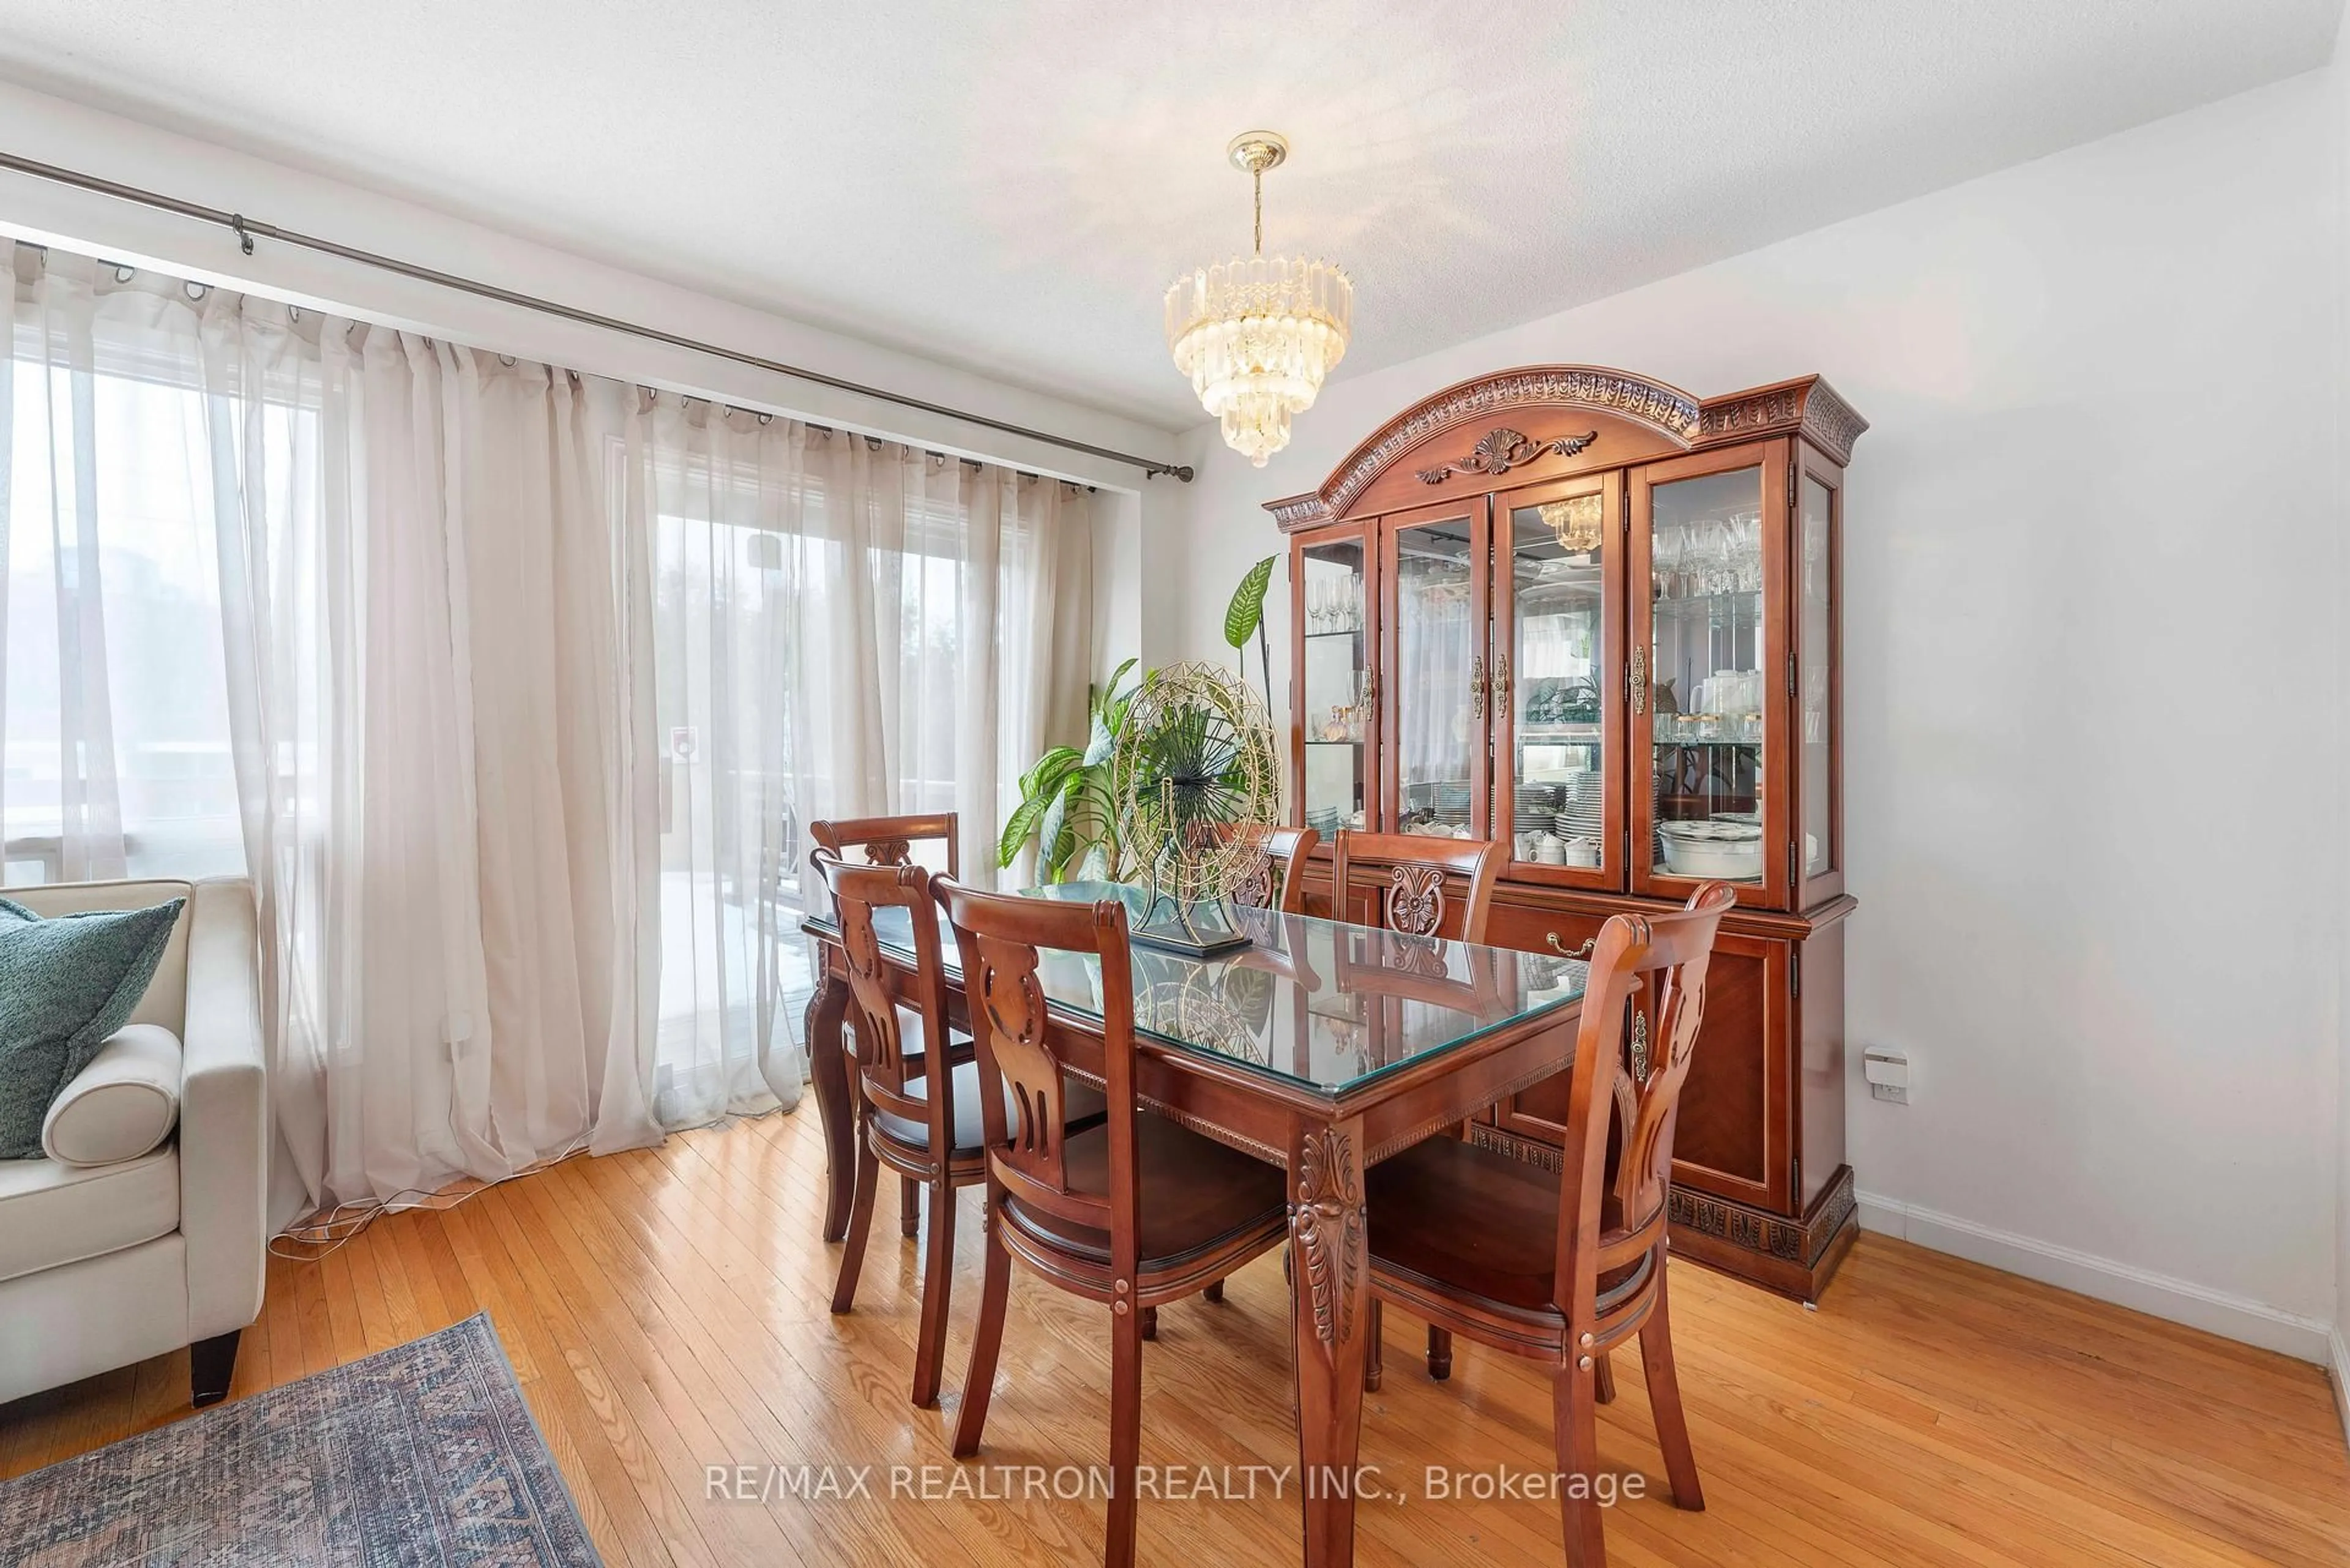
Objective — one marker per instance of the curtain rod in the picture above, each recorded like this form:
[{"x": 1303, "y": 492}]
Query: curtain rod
[{"x": 247, "y": 230}]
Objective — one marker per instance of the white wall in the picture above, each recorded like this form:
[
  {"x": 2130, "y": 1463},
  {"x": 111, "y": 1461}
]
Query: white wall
[
  {"x": 2095, "y": 686},
  {"x": 2339, "y": 1333}
]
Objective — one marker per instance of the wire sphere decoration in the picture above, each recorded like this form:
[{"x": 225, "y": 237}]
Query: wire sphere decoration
[{"x": 1197, "y": 778}]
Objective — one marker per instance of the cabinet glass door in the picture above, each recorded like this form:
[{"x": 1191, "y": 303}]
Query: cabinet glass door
[
  {"x": 1555, "y": 680},
  {"x": 1708, "y": 670},
  {"x": 1817, "y": 560},
  {"x": 1336, "y": 685},
  {"x": 1434, "y": 567}
]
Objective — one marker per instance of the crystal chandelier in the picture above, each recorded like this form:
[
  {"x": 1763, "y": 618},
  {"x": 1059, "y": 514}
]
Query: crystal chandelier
[
  {"x": 1577, "y": 523},
  {"x": 1258, "y": 334}
]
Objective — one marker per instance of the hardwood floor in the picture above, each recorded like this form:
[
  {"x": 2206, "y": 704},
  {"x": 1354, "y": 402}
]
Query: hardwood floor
[{"x": 666, "y": 1311}]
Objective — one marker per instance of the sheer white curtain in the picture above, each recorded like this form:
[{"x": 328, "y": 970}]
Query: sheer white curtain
[
  {"x": 843, "y": 628},
  {"x": 423, "y": 598},
  {"x": 353, "y": 598},
  {"x": 512, "y": 689}
]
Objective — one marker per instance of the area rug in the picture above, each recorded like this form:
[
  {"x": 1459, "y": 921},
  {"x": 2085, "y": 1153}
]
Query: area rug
[{"x": 422, "y": 1455}]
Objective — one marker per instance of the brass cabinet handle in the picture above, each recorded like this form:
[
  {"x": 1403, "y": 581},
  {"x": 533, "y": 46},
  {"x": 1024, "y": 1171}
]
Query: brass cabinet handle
[
  {"x": 1501, "y": 679},
  {"x": 1638, "y": 672},
  {"x": 1371, "y": 687},
  {"x": 1584, "y": 951},
  {"x": 1477, "y": 686}
]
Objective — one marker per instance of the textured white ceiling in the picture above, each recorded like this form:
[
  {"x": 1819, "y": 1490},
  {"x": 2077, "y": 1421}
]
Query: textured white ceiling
[{"x": 1011, "y": 186}]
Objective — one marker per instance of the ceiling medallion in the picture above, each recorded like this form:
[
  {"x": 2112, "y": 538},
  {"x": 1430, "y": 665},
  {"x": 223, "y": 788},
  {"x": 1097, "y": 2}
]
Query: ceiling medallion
[{"x": 1258, "y": 334}]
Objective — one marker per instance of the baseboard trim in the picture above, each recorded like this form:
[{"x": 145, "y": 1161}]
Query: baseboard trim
[
  {"x": 2341, "y": 1370},
  {"x": 2124, "y": 1284}
]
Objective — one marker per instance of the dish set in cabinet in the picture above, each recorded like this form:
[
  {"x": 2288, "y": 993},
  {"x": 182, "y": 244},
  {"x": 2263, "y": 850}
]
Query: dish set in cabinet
[{"x": 1595, "y": 618}]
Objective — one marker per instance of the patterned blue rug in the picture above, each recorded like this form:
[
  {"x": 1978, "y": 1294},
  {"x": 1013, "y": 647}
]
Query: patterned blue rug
[{"x": 422, "y": 1455}]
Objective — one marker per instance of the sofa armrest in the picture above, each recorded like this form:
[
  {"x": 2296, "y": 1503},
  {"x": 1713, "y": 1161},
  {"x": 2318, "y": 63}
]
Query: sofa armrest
[{"x": 224, "y": 1114}]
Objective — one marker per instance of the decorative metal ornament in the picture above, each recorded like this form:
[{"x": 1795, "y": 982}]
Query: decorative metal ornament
[{"x": 1197, "y": 778}]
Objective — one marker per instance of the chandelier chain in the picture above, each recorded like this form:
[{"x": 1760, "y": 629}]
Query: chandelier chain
[{"x": 1257, "y": 174}]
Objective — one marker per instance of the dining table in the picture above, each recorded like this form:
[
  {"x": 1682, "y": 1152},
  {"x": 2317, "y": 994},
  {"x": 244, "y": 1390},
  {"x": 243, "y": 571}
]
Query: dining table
[{"x": 1317, "y": 1045}]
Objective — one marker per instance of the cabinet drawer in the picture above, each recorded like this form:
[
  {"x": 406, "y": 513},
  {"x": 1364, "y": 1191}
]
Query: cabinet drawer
[{"x": 1529, "y": 931}]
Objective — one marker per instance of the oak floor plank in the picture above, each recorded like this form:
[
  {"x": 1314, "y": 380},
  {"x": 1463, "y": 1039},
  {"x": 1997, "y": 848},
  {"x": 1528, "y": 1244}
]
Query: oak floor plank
[{"x": 666, "y": 1310}]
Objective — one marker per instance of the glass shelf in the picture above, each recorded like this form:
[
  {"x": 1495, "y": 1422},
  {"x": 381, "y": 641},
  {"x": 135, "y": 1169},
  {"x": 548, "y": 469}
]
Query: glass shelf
[{"x": 1334, "y": 775}]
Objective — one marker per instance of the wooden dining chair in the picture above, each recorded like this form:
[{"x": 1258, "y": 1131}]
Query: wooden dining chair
[
  {"x": 1279, "y": 882},
  {"x": 1131, "y": 1212},
  {"x": 890, "y": 841},
  {"x": 1431, "y": 887},
  {"x": 1564, "y": 1268},
  {"x": 1427, "y": 887},
  {"x": 921, "y": 1122}
]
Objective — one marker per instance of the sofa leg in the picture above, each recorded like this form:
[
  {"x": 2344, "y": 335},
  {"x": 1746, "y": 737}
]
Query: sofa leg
[{"x": 211, "y": 1363}]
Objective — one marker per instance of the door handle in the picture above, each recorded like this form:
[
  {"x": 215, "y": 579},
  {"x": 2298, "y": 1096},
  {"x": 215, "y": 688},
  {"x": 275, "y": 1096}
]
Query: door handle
[
  {"x": 1636, "y": 677},
  {"x": 1477, "y": 686}
]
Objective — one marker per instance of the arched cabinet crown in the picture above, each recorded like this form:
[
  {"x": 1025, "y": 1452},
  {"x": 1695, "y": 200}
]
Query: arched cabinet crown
[{"x": 1542, "y": 422}]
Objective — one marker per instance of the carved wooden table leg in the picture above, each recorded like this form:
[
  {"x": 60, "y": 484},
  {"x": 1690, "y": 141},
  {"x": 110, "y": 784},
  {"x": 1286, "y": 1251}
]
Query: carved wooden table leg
[
  {"x": 1331, "y": 1271},
  {"x": 829, "y": 1071}
]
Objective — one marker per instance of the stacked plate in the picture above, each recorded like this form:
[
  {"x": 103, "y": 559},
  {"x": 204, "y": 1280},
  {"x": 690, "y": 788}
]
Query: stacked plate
[
  {"x": 1536, "y": 804},
  {"x": 1583, "y": 807},
  {"x": 1452, "y": 804}
]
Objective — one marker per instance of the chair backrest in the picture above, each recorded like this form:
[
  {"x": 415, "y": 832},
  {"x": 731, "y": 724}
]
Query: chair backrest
[
  {"x": 1431, "y": 887},
  {"x": 1643, "y": 1002},
  {"x": 882, "y": 1060},
  {"x": 1279, "y": 883},
  {"x": 1024, "y": 1081},
  {"x": 889, "y": 840}
]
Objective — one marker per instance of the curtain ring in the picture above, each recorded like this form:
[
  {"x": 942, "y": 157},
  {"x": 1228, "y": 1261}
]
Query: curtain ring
[
  {"x": 293, "y": 313},
  {"x": 507, "y": 360},
  {"x": 766, "y": 418},
  {"x": 244, "y": 238},
  {"x": 124, "y": 273},
  {"x": 196, "y": 290}
]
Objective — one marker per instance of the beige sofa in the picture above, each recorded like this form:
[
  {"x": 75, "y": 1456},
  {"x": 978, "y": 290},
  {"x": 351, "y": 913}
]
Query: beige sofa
[{"x": 103, "y": 1265}]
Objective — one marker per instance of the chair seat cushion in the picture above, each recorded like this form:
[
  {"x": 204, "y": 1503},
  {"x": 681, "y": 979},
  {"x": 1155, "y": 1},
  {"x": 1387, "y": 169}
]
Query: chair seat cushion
[
  {"x": 53, "y": 1214},
  {"x": 1478, "y": 1223},
  {"x": 969, "y": 1131},
  {"x": 122, "y": 1104},
  {"x": 911, "y": 1041},
  {"x": 1196, "y": 1194}
]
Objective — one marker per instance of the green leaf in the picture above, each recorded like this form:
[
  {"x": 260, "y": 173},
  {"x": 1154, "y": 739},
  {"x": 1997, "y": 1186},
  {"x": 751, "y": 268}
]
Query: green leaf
[
  {"x": 1105, "y": 739},
  {"x": 1016, "y": 831},
  {"x": 1247, "y": 608},
  {"x": 1055, "y": 842},
  {"x": 1051, "y": 768},
  {"x": 1110, "y": 691}
]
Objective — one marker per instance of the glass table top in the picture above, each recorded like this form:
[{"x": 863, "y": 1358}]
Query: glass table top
[{"x": 1316, "y": 1003}]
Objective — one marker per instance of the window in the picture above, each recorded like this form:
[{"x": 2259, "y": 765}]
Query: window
[{"x": 117, "y": 733}]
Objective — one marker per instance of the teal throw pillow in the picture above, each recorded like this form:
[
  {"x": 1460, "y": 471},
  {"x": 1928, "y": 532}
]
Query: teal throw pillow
[{"x": 66, "y": 984}]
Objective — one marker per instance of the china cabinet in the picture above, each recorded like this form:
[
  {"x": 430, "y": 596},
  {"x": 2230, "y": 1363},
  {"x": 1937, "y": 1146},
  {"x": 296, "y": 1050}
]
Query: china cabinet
[{"x": 1594, "y": 620}]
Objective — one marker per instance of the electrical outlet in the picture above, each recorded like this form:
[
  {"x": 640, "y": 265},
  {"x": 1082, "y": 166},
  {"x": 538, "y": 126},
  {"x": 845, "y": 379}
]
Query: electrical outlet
[{"x": 1888, "y": 1074}]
